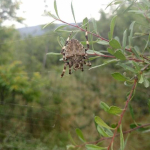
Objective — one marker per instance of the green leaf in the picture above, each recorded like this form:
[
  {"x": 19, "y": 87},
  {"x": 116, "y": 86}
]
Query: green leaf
[
  {"x": 141, "y": 79},
  {"x": 69, "y": 147},
  {"x": 104, "y": 106},
  {"x": 102, "y": 42},
  {"x": 84, "y": 42},
  {"x": 131, "y": 111},
  {"x": 126, "y": 67},
  {"x": 53, "y": 16},
  {"x": 102, "y": 132},
  {"x": 71, "y": 139},
  {"x": 55, "y": 7},
  {"x": 110, "y": 50},
  {"x": 124, "y": 41},
  {"x": 146, "y": 83},
  {"x": 100, "y": 122},
  {"x": 94, "y": 52},
  {"x": 94, "y": 147},
  {"x": 112, "y": 26},
  {"x": 94, "y": 25},
  {"x": 147, "y": 43},
  {"x": 131, "y": 32},
  {"x": 60, "y": 27},
  {"x": 136, "y": 53},
  {"x": 119, "y": 76},
  {"x": 118, "y": 54},
  {"x": 136, "y": 11},
  {"x": 121, "y": 139},
  {"x": 52, "y": 53},
  {"x": 115, "y": 110},
  {"x": 115, "y": 44},
  {"x": 85, "y": 23},
  {"x": 48, "y": 24},
  {"x": 105, "y": 63},
  {"x": 73, "y": 12},
  {"x": 136, "y": 65},
  {"x": 146, "y": 2},
  {"x": 92, "y": 58},
  {"x": 80, "y": 135}
]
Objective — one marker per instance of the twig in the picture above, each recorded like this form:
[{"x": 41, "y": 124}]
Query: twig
[
  {"x": 122, "y": 114},
  {"x": 109, "y": 56},
  {"x": 96, "y": 35},
  {"x": 109, "y": 138}
]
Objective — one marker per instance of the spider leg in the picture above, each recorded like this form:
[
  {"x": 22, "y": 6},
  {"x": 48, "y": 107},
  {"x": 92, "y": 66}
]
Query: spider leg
[
  {"x": 87, "y": 42},
  {"x": 65, "y": 66},
  {"x": 81, "y": 62},
  {"x": 70, "y": 65},
  {"x": 62, "y": 51}
]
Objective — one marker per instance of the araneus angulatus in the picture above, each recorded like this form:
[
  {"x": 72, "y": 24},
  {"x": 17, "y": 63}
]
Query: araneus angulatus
[{"x": 74, "y": 54}]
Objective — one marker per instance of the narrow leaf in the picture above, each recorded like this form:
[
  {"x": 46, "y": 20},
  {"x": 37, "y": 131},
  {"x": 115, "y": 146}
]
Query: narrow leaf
[
  {"x": 80, "y": 135},
  {"x": 119, "y": 76},
  {"x": 105, "y": 63},
  {"x": 102, "y": 42},
  {"x": 118, "y": 54},
  {"x": 115, "y": 44},
  {"x": 52, "y": 53},
  {"x": 73, "y": 12},
  {"x": 146, "y": 83},
  {"x": 71, "y": 139},
  {"x": 121, "y": 139},
  {"x": 70, "y": 147},
  {"x": 126, "y": 67},
  {"x": 94, "y": 25},
  {"x": 60, "y": 27},
  {"x": 94, "y": 147},
  {"x": 131, "y": 111},
  {"x": 141, "y": 79},
  {"x": 112, "y": 26},
  {"x": 115, "y": 110},
  {"x": 104, "y": 106},
  {"x": 55, "y": 7},
  {"x": 53, "y": 16},
  {"x": 124, "y": 41},
  {"x": 131, "y": 32},
  {"x": 135, "y": 53},
  {"x": 102, "y": 132},
  {"x": 48, "y": 24},
  {"x": 110, "y": 50},
  {"x": 100, "y": 122}
]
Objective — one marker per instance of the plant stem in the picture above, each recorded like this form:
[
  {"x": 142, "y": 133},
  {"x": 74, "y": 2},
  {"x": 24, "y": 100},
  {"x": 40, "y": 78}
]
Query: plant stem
[
  {"x": 122, "y": 114},
  {"x": 109, "y": 138}
]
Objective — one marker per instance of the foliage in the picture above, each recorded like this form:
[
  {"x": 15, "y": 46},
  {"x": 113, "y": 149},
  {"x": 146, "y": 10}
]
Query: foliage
[
  {"x": 131, "y": 57},
  {"x": 8, "y": 10}
]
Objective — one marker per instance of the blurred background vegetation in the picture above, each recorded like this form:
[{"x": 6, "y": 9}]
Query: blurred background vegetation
[{"x": 38, "y": 108}]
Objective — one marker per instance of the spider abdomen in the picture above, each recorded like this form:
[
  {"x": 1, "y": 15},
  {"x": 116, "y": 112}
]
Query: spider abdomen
[{"x": 74, "y": 48}]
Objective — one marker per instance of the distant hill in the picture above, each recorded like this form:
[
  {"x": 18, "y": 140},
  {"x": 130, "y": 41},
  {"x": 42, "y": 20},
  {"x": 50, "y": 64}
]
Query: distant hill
[{"x": 34, "y": 31}]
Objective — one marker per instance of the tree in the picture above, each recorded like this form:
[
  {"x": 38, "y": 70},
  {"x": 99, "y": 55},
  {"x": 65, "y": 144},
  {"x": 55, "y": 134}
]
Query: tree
[{"x": 8, "y": 10}]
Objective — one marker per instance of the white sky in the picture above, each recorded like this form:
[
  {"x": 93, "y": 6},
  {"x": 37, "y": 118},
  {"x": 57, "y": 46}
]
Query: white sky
[{"x": 33, "y": 10}]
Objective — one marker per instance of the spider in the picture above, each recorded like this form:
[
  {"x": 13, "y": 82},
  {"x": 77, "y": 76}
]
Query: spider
[{"x": 74, "y": 54}]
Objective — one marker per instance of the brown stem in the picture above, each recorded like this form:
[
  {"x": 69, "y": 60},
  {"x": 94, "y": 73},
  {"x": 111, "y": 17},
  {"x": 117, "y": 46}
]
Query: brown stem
[
  {"x": 109, "y": 56},
  {"x": 109, "y": 138},
  {"x": 96, "y": 35},
  {"x": 122, "y": 114}
]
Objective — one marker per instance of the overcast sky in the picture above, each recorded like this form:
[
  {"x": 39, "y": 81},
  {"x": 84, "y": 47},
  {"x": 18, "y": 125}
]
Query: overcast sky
[{"x": 33, "y": 10}]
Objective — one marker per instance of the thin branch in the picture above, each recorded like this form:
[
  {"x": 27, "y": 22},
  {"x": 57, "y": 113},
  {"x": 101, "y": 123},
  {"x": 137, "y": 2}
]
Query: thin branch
[
  {"x": 96, "y": 35},
  {"x": 109, "y": 56},
  {"x": 122, "y": 114},
  {"x": 109, "y": 138}
]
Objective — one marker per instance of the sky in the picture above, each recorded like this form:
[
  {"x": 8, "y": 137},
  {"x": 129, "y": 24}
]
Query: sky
[{"x": 33, "y": 11}]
